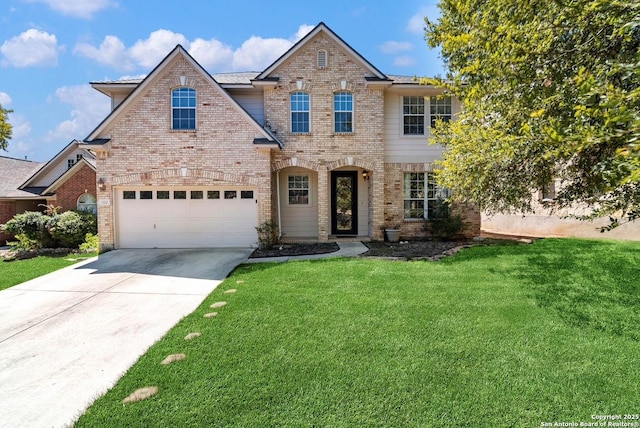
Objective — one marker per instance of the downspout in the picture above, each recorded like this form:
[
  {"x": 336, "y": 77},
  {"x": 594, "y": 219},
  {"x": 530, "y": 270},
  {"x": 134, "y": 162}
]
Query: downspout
[{"x": 278, "y": 207}]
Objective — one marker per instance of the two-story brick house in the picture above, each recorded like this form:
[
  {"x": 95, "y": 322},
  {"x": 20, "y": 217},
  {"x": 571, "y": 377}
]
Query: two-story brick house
[{"x": 321, "y": 143}]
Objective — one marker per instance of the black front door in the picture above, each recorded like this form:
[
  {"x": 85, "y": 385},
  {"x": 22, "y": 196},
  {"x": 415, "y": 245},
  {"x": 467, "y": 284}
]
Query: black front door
[{"x": 344, "y": 202}]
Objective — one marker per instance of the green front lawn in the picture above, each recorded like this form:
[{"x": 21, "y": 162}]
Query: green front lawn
[
  {"x": 19, "y": 271},
  {"x": 496, "y": 336}
]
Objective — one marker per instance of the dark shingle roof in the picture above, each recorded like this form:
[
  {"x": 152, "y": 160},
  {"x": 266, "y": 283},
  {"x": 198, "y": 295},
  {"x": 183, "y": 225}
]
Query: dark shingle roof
[{"x": 13, "y": 173}]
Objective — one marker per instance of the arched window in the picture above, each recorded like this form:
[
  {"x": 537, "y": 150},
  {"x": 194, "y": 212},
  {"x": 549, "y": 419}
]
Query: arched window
[
  {"x": 183, "y": 108},
  {"x": 300, "y": 108},
  {"x": 87, "y": 202}
]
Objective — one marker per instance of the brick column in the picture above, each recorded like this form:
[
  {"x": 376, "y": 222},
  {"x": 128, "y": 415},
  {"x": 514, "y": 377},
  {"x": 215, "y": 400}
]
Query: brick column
[{"x": 324, "y": 204}]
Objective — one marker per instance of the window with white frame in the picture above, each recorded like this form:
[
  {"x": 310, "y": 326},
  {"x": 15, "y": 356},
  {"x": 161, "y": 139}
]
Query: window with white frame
[
  {"x": 413, "y": 113},
  {"x": 439, "y": 108},
  {"x": 87, "y": 202},
  {"x": 298, "y": 189},
  {"x": 343, "y": 112},
  {"x": 421, "y": 195},
  {"x": 300, "y": 108},
  {"x": 70, "y": 163},
  {"x": 183, "y": 109}
]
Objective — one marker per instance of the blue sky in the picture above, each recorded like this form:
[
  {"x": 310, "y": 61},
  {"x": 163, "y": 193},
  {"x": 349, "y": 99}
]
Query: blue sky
[{"x": 51, "y": 49}]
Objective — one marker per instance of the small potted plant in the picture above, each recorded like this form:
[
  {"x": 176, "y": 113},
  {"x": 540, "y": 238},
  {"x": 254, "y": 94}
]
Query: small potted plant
[{"x": 392, "y": 232}]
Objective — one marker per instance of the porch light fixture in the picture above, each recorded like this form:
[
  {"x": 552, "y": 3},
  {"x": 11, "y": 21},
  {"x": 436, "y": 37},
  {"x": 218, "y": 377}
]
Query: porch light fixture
[
  {"x": 101, "y": 185},
  {"x": 365, "y": 174}
]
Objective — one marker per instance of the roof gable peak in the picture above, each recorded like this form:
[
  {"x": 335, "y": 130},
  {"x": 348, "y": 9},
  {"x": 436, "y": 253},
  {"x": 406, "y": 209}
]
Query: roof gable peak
[{"x": 321, "y": 28}]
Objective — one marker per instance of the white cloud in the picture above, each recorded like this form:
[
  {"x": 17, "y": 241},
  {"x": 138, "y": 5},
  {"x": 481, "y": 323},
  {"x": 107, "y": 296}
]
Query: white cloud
[
  {"x": 21, "y": 127},
  {"x": 254, "y": 54},
  {"x": 31, "y": 48},
  {"x": 5, "y": 99},
  {"x": 211, "y": 54},
  {"x": 257, "y": 53},
  {"x": 112, "y": 52},
  {"x": 89, "y": 108},
  {"x": 303, "y": 30},
  {"x": 78, "y": 8},
  {"x": 416, "y": 23},
  {"x": 392, "y": 47},
  {"x": 404, "y": 61},
  {"x": 149, "y": 52}
]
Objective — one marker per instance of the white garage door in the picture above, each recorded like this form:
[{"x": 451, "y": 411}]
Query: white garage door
[{"x": 184, "y": 217}]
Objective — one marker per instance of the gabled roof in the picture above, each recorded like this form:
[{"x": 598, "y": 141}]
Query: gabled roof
[
  {"x": 68, "y": 174},
  {"x": 13, "y": 172},
  {"x": 322, "y": 28},
  {"x": 151, "y": 77},
  {"x": 54, "y": 162}
]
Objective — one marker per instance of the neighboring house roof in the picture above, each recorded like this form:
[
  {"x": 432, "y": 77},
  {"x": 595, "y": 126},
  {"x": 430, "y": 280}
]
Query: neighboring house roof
[
  {"x": 61, "y": 156},
  {"x": 19, "y": 178},
  {"x": 177, "y": 51},
  {"x": 322, "y": 27},
  {"x": 91, "y": 163},
  {"x": 13, "y": 172}
]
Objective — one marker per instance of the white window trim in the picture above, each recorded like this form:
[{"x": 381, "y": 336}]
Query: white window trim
[
  {"x": 440, "y": 192},
  {"x": 195, "y": 110},
  {"x": 426, "y": 117},
  {"x": 429, "y": 115},
  {"x": 308, "y": 189},
  {"x": 82, "y": 206},
  {"x": 353, "y": 113},
  {"x": 291, "y": 112}
]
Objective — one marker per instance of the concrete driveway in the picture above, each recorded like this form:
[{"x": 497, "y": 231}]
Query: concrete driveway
[{"x": 67, "y": 337}]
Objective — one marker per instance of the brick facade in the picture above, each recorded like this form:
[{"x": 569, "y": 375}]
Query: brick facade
[
  {"x": 67, "y": 194},
  {"x": 7, "y": 211},
  {"x": 144, "y": 151}
]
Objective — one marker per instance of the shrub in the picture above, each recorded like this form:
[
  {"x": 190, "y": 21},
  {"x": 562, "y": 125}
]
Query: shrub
[
  {"x": 268, "y": 234},
  {"x": 30, "y": 228},
  {"x": 90, "y": 244},
  {"x": 71, "y": 227},
  {"x": 442, "y": 225}
]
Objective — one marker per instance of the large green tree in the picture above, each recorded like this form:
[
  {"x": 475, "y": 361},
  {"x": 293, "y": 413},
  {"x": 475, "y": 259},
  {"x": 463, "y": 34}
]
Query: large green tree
[
  {"x": 5, "y": 128},
  {"x": 551, "y": 91}
]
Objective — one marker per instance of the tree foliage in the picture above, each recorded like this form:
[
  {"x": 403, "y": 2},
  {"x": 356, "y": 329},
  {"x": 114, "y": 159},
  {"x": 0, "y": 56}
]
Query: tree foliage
[
  {"x": 5, "y": 128},
  {"x": 551, "y": 91}
]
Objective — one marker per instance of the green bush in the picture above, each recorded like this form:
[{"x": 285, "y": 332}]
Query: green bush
[
  {"x": 71, "y": 227},
  {"x": 31, "y": 228},
  {"x": 90, "y": 244},
  {"x": 268, "y": 234},
  {"x": 442, "y": 225}
]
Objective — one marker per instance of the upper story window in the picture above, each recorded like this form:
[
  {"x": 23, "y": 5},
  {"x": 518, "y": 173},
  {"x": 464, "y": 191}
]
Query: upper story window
[
  {"x": 440, "y": 108},
  {"x": 300, "y": 108},
  {"x": 183, "y": 108},
  {"x": 87, "y": 202},
  {"x": 70, "y": 163},
  {"x": 343, "y": 112},
  {"x": 413, "y": 115}
]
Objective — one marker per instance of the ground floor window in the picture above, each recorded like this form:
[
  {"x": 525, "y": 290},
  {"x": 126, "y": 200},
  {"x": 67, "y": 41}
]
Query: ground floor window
[
  {"x": 421, "y": 195},
  {"x": 87, "y": 202},
  {"x": 298, "y": 188}
]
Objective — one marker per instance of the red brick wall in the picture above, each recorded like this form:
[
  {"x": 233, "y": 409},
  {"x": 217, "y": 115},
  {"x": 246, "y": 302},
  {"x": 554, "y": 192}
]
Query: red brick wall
[
  {"x": 83, "y": 181},
  {"x": 7, "y": 211}
]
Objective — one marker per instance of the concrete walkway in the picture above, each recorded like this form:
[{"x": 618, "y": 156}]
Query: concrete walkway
[
  {"x": 347, "y": 249},
  {"x": 67, "y": 337}
]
